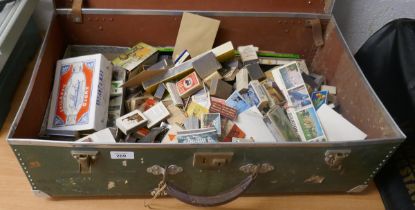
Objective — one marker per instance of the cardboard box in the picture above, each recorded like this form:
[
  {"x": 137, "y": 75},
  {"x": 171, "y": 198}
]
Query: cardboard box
[
  {"x": 132, "y": 121},
  {"x": 80, "y": 94},
  {"x": 189, "y": 85}
]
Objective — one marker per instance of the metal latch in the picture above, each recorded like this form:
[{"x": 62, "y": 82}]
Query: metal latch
[
  {"x": 334, "y": 158},
  {"x": 85, "y": 160},
  {"x": 157, "y": 170},
  {"x": 211, "y": 160},
  {"x": 77, "y": 11},
  {"x": 261, "y": 168}
]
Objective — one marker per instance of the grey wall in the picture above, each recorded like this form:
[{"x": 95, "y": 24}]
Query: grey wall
[
  {"x": 359, "y": 19},
  {"x": 43, "y": 13}
]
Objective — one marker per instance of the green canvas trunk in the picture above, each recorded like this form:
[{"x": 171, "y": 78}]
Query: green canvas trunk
[{"x": 205, "y": 174}]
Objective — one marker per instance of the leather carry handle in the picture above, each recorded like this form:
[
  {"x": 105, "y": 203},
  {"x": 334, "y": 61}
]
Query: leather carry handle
[
  {"x": 215, "y": 200},
  {"x": 167, "y": 187}
]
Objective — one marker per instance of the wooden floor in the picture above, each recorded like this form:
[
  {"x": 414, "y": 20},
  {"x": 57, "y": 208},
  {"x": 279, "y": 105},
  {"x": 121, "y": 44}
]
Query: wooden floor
[{"x": 15, "y": 191}]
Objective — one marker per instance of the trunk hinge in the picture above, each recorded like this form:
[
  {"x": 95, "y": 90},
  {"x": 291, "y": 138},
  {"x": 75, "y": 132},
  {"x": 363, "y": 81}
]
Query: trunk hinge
[
  {"x": 77, "y": 11},
  {"x": 317, "y": 31}
]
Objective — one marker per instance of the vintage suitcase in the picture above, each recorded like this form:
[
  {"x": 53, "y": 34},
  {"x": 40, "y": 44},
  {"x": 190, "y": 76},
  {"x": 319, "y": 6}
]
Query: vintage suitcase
[{"x": 204, "y": 174}]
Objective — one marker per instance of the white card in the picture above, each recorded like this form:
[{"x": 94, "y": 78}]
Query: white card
[
  {"x": 156, "y": 114},
  {"x": 251, "y": 122},
  {"x": 102, "y": 136},
  {"x": 336, "y": 127}
]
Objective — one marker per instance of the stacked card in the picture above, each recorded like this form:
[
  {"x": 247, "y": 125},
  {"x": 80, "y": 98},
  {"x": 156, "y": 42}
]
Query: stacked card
[{"x": 301, "y": 111}]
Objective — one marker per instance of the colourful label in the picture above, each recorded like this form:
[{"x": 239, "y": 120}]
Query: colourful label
[
  {"x": 224, "y": 110},
  {"x": 188, "y": 83},
  {"x": 234, "y": 132},
  {"x": 319, "y": 98},
  {"x": 134, "y": 56},
  {"x": 74, "y": 94}
]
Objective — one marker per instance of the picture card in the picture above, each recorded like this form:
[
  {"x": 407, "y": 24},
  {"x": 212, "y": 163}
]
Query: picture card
[
  {"x": 307, "y": 124},
  {"x": 197, "y": 136},
  {"x": 280, "y": 125},
  {"x": 212, "y": 120},
  {"x": 319, "y": 98},
  {"x": 237, "y": 102},
  {"x": 301, "y": 111},
  {"x": 135, "y": 56}
]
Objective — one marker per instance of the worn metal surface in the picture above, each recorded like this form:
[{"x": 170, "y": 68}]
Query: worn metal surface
[
  {"x": 217, "y": 13},
  {"x": 56, "y": 173},
  {"x": 309, "y": 6}
]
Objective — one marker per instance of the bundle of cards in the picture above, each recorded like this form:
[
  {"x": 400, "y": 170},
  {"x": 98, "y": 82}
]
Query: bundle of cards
[
  {"x": 197, "y": 136},
  {"x": 80, "y": 94},
  {"x": 301, "y": 111}
]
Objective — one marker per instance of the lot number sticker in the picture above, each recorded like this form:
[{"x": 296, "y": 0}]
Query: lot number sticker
[{"x": 122, "y": 155}]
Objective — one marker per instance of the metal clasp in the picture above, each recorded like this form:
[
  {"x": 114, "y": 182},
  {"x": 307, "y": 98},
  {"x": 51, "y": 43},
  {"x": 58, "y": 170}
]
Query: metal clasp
[
  {"x": 252, "y": 168},
  {"x": 157, "y": 170},
  {"x": 334, "y": 158},
  {"x": 211, "y": 160},
  {"x": 85, "y": 160}
]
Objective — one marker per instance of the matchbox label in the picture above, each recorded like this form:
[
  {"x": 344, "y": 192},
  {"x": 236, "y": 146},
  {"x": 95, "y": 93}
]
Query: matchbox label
[
  {"x": 74, "y": 94},
  {"x": 187, "y": 83}
]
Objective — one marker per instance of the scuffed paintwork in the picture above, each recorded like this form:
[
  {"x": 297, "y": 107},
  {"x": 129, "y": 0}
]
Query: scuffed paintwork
[
  {"x": 315, "y": 179},
  {"x": 73, "y": 184},
  {"x": 110, "y": 185},
  {"x": 34, "y": 164}
]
